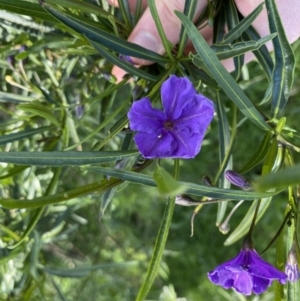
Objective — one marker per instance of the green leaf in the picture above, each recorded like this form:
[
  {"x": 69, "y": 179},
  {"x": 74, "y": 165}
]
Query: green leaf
[
  {"x": 189, "y": 11},
  {"x": 220, "y": 74},
  {"x": 282, "y": 179},
  {"x": 26, "y": 8},
  {"x": 98, "y": 186},
  {"x": 283, "y": 74},
  {"x": 191, "y": 188},
  {"x": 259, "y": 154},
  {"x": 224, "y": 138},
  {"x": 155, "y": 16},
  {"x": 271, "y": 163},
  {"x": 124, "y": 65},
  {"x": 244, "y": 226},
  {"x": 71, "y": 158},
  {"x": 104, "y": 38},
  {"x": 23, "y": 134},
  {"x": 166, "y": 184},
  {"x": 232, "y": 22},
  {"x": 262, "y": 54},
  {"x": 86, "y": 7},
  {"x": 125, "y": 10},
  {"x": 6, "y": 97},
  {"x": 239, "y": 28},
  {"x": 40, "y": 110},
  {"x": 225, "y": 51}
]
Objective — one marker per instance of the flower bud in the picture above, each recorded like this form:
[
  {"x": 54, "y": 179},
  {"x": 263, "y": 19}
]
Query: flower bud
[
  {"x": 237, "y": 180},
  {"x": 184, "y": 200},
  {"x": 224, "y": 227},
  {"x": 126, "y": 59},
  {"x": 291, "y": 267},
  {"x": 207, "y": 181}
]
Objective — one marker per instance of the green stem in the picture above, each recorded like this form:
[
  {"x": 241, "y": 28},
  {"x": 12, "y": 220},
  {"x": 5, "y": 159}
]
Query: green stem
[{"x": 160, "y": 243}]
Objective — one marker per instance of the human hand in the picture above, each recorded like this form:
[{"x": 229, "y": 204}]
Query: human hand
[{"x": 146, "y": 35}]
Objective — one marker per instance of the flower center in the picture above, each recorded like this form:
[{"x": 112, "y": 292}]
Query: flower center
[{"x": 169, "y": 125}]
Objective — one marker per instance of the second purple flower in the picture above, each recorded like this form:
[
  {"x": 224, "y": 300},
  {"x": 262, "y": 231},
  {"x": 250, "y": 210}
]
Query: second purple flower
[
  {"x": 246, "y": 273},
  {"x": 178, "y": 130}
]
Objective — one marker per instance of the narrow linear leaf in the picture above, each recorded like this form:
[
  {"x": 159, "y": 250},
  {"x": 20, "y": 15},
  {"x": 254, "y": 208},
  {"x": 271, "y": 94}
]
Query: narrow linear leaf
[
  {"x": 166, "y": 43},
  {"x": 125, "y": 66},
  {"x": 71, "y": 158},
  {"x": 283, "y": 75},
  {"x": 271, "y": 163},
  {"x": 106, "y": 39},
  {"x": 219, "y": 24},
  {"x": 191, "y": 188},
  {"x": 282, "y": 179},
  {"x": 6, "y": 97},
  {"x": 23, "y": 134},
  {"x": 226, "y": 51},
  {"x": 220, "y": 74},
  {"x": 232, "y": 22},
  {"x": 244, "y": 225},
  {"x": 224, "y": 138},
  {"x": 262, "y": 54},
  {"x": 98, "y": 186},
  {"x": 40, "y": 110},
  {"x": 125, "y": 10},
  {"x": 166, "y": 184},
  {"x": 26, "y": 8},
  {"x": 189, "y": 11},
  {"x": 236, "y": 31},
  {"x": 259, "y": 155}
]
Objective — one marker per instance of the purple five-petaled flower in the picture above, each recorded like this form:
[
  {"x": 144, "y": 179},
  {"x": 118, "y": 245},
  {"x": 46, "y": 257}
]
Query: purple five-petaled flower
[
  {"x": 246, "y": 273},
  {"x": 178, "y": 130}
]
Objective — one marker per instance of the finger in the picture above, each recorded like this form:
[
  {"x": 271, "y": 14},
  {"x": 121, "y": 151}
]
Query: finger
[
  {"x": 206, "y": 32},
  {"x": 132, "y": 4}
]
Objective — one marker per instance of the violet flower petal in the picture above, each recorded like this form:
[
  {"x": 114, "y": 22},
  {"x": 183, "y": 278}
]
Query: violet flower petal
[
  {"x": 144, "y": 118},
  {"x": 152, "y": 145},
  {"x": 197, "y": 115},
  {"x": 260, "y": 268},
  {"x": 243, "y": 283},
  {"x": 190, "y": 149},
  {"x": 176, "y": 93},
  {"x": 260, "y": 285}
]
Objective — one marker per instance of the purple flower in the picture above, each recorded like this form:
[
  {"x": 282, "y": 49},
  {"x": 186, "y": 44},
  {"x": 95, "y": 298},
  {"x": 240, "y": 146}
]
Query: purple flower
[
  {"x": 237, "y": 180},
  {"x": 246, "y": 273},
  {"x": 178, "y": 130}
]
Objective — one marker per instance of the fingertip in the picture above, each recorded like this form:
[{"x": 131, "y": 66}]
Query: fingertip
[{"x": 118, "y": 73}]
